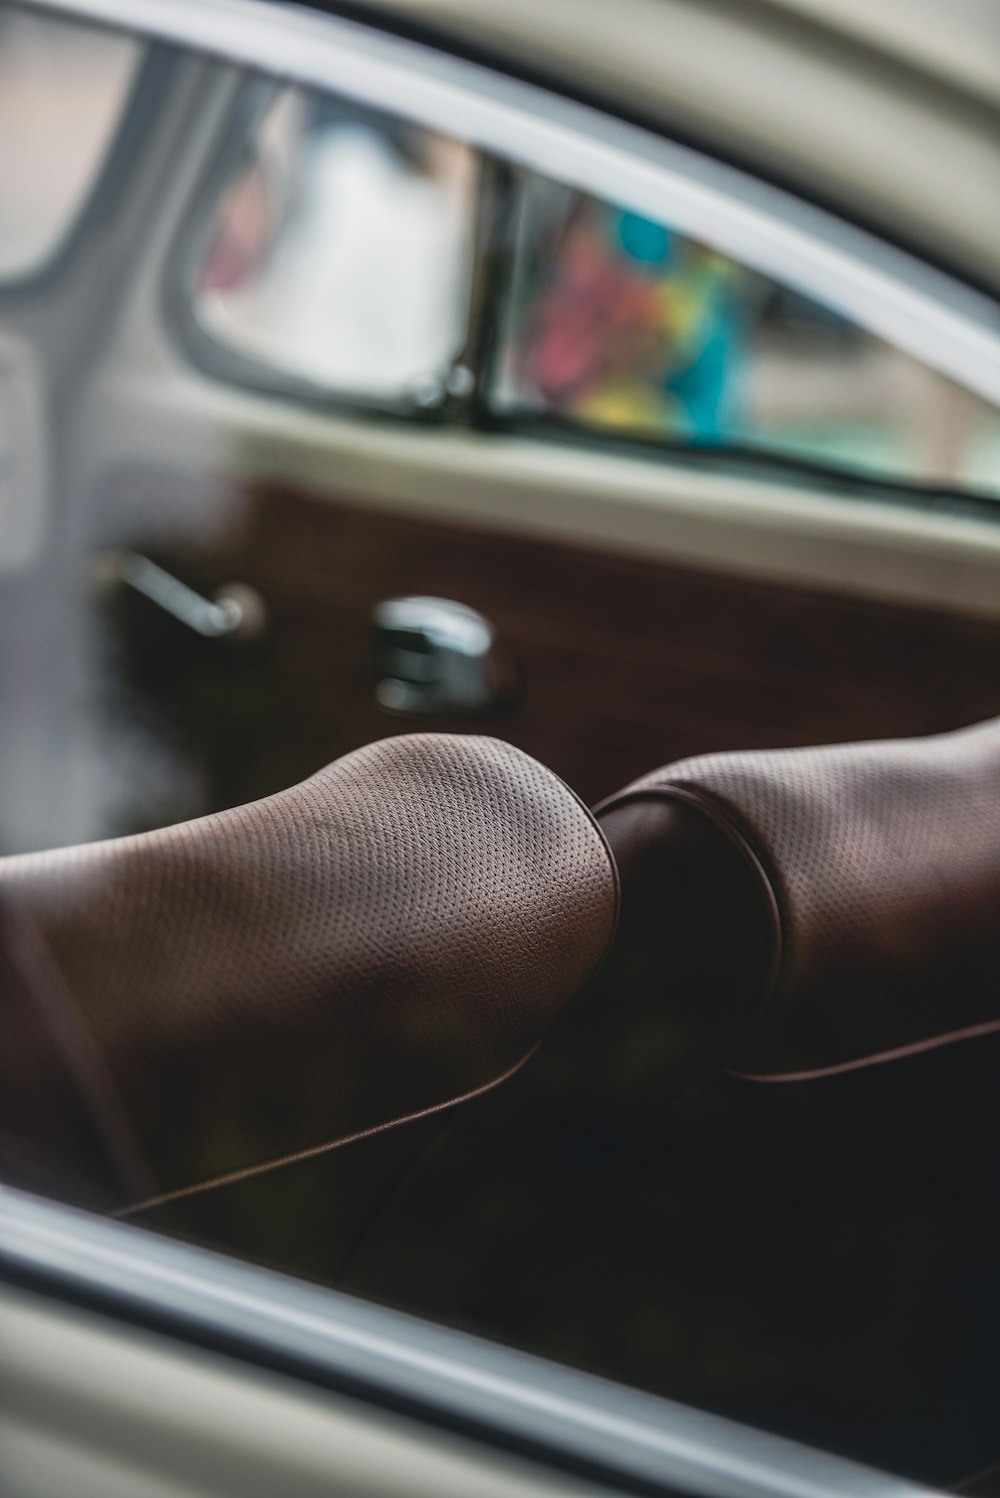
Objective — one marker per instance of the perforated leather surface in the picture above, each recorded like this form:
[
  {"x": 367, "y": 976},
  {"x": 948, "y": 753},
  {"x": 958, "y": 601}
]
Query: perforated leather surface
[
  {"x": 885, "y": 862},
  {"x": 389, "y": 935}
]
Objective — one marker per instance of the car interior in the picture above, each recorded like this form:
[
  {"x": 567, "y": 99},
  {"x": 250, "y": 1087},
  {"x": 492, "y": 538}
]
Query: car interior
[{"x": 474, "y": 835}]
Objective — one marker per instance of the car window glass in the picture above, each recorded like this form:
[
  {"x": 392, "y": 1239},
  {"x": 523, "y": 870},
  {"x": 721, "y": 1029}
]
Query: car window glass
[
  {"x": 63, "y": 87},
  {"x": 338, "y": 251},
  {"x": 625, "y": 326}
]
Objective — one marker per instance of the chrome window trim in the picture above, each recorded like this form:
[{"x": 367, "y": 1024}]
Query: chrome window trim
[
  {"x": 946, "y": 325},
  {"x": 444, "y": 1377}
]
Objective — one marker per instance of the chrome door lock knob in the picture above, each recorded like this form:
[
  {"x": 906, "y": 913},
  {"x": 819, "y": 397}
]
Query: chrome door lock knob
[{"x": 433, "y": 655}]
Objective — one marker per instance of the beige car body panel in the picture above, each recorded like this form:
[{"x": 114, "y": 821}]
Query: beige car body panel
[
  {"x": 100, "y": 1411},
  {"x": 891, "y": 111}
]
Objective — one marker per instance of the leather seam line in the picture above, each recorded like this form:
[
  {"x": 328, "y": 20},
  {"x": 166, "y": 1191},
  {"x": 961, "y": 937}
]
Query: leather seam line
[
  {"x": 615, "y": 876},
  {"x": 232, "y": 1177},
  {"x": 740, "y": 834},
  {"x": 877, "y": 1058}
]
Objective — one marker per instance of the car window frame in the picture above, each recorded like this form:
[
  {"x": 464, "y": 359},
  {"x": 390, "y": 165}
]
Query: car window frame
[
  {"x": 747, "y": 459},
  {"x": 446, "y": 1379},
  {"x": 113, "y": 170},
  {"x": 492, "y": 261},
  {"x": 928, "y": 313},
  {"x": 226, "y": 362}
]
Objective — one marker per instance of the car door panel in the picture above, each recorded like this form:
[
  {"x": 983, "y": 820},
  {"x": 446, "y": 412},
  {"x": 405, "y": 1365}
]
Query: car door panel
[{"x": 621, "y": 661}]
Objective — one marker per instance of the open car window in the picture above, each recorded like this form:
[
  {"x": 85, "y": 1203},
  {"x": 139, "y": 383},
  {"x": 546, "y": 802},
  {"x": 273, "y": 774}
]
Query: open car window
[
  {"x": 338, "y": 249},
  {"x": 63, "y": 90}
]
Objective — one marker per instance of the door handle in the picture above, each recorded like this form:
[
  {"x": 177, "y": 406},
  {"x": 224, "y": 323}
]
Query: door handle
[
  {"x": 433, "y": 655},
  {"x": 236, "y": 611}
]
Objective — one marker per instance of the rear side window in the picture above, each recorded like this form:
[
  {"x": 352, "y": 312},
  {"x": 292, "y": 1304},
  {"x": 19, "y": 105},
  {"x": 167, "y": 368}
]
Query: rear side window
[
  {"x": 345, "y": 251},
  {"x": 63, "y": 88},
  {"x": 338, "y": 252},
  {"x": 625, "y": 326}
]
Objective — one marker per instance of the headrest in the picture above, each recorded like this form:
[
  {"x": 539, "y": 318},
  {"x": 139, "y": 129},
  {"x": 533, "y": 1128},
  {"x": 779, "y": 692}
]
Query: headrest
[
  {"x": 844, "y": 902},
  {"x": 382, "y": 940}
]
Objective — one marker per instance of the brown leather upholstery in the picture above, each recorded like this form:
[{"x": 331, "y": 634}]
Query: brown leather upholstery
[
  {"x": 388, "y": 936},
  {"x": 862, "y": 913}
]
